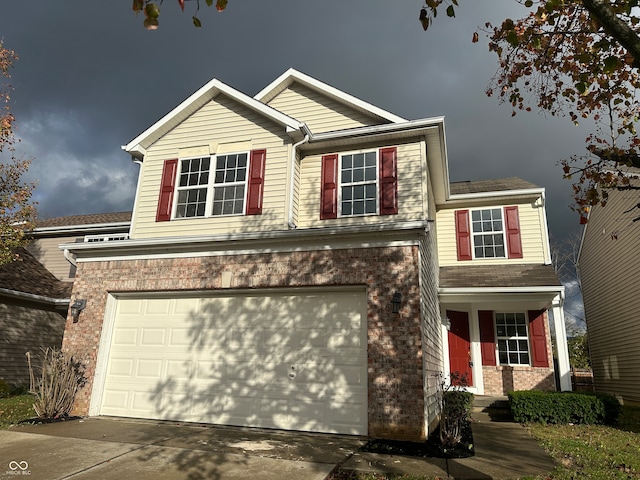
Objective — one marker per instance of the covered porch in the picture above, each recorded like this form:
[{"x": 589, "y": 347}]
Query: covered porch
[{"x": 497, "y": 325}]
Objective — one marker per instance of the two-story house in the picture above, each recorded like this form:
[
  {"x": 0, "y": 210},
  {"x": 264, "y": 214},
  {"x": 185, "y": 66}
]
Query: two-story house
[{"x": 294, "y": 260}]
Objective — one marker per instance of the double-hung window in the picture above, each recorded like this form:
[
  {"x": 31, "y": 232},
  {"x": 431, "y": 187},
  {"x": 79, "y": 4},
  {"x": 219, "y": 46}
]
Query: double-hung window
[
  {"x": 193, "y": 186},
  {"x": 488, "y": 233},
  {"x": 229, "y": 185},
  {"x": 512, "y": 338},
  {"x": 217, "y": 185},
  {"x": 358, "y": 184}
]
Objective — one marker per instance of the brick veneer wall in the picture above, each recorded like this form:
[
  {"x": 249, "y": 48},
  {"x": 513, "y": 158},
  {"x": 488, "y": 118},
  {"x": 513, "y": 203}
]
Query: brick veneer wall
[
  {"x": 500, "y": 380},
  {"x": 395, "y": 378}
]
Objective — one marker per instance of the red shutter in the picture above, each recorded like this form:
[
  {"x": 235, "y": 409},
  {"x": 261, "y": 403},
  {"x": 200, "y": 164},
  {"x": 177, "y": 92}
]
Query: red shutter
[
  {"x": 329, "y": 192},
  {"x": 487, "y": 338},
  {"x": 167, "y": 187},
  {"x": 463, "y": 235},
  {"x": 512, "y": 227},
  {"x": 256, "y": 182},
  {"x": 388, "y": 181},
  {"x": 538, "y": 338}
]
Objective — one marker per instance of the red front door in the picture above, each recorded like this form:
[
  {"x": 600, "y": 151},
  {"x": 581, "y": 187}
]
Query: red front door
[{"x": 460, "y": 346}]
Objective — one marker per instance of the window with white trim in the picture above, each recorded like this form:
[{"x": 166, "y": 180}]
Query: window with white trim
[
  {"x": 487, "y": 229},
  {"x": 359, "y": 184},
  {"x": 512, "y": 338},
  {"x": 201, "y": 192}
]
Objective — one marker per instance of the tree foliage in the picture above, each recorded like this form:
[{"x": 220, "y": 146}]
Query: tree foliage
[
  {"x": 579, "y": 351},
  {"x": 578, "y": 59},
  {"x": 151, "y": 10},
  {"x": 17, "y": 212}
]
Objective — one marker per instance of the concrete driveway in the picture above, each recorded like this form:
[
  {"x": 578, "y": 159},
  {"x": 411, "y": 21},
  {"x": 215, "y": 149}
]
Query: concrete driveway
[{"x": 118, "y": 449}]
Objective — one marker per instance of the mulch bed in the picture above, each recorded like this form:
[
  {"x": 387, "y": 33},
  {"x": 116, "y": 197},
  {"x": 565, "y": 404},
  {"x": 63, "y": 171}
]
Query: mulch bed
[{"x": 431, "y": 448}]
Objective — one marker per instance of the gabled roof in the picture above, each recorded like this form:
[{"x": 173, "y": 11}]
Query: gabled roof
[
  {"x": 138, "y": 146},
  {"x": 28, "y": 276},
  {"x": 482, "y": 186},
  {"x": 292, "y": 75}
]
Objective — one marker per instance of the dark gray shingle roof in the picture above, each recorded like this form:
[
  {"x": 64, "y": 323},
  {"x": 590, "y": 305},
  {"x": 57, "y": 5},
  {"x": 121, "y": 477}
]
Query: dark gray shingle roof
[
  {"x": 91, "y": 219},
  {"x": 497, "y": 185},
  {"x": 28, "y": 275},
  {"x": 509, "y": 275}
]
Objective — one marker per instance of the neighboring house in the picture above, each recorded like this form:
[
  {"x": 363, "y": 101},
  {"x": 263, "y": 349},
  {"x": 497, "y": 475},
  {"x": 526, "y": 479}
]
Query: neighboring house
[
  {"x": 35, "y": 289},
  {"x": 50, "y": 233},
  {"x": 291, "y": 264},
  {"x": 609, "y": 268},
  {"x": 33, "y": 308}
]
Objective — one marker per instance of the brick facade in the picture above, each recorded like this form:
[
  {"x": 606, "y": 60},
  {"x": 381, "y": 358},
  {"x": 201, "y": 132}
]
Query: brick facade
[
  {"x": 502, "y": 379},
  {"x": 395, "y": 374}
]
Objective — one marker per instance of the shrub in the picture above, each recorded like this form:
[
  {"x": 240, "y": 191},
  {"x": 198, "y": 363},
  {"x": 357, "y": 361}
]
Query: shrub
[
  {"x": 455, "y": 403},
  {"x": 61, "y": 378},
  {"x": 11, "y": 389},
  {"x": 563, "y": 407}
]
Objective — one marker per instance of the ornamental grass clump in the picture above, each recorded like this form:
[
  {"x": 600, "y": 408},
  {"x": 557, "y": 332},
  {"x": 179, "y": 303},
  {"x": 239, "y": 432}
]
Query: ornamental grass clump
[{"x": 60, "y": 379}]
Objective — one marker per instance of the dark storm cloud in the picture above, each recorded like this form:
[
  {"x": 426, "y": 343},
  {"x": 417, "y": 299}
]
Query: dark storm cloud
[{"x": 91, "y": 78}]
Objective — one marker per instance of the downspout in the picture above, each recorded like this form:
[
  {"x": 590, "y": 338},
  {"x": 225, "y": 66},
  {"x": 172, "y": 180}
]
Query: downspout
[
  {"x": 292, "y": 183},
  {"x": 70, "y": 258}
]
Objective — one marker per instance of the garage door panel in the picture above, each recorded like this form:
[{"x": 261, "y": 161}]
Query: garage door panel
[{"x": 272, "y": 360}]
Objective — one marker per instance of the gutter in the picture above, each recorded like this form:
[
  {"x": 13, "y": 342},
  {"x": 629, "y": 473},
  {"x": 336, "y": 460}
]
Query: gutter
[
  {"x": 559, "y": 289},
  {"x": 528, "y": 192},
  {"x": 95, "y": 227},
  {"x": 57, "y": 302},
  {"x": 293, "y": 169},
  {"x": 176, "y": 243}
]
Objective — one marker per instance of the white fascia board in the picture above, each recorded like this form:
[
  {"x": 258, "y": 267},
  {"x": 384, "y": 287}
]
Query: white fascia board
[
  {"x": 86, "y": 228},
  {"x": 528, "y": 192},
  {"x": 294, "y": 75},
  {"x": 554, "y": 289},
  {"x": 57, "y": 302},
  {"x": 414, "y": 126},
  {"x": 137, "y": 146},
  {"x": 244, "y": 241}
]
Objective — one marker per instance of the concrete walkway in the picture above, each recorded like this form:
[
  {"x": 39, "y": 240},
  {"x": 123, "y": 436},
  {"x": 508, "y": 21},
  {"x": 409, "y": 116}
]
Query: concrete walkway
[
  {"x": 119, "y": 449},
  {"x": 503, "y": 450}
]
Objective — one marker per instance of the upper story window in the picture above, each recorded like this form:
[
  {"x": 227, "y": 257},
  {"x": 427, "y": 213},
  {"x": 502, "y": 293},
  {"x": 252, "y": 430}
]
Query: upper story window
[
  {"x": 229, "y": 184},
  {"x": 512, "y": 338},
  {"x": 359, "y": 183},
  {"x": 488, "y": 233}
]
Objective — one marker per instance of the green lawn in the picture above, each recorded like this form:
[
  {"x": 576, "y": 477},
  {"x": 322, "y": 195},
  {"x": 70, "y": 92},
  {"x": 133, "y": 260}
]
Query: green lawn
[
  {"x": 593, "y": 451},
  {"x": 14, "y": 409}
]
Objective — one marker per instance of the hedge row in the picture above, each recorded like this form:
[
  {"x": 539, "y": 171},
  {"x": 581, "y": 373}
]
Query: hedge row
[{"x": 563, "y": 407}]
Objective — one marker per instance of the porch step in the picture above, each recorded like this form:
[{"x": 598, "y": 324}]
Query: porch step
[{"x": 496, "y": 407}]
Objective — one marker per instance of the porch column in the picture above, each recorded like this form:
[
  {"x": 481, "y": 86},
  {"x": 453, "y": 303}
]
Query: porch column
[{"x": 564, "y": 370}]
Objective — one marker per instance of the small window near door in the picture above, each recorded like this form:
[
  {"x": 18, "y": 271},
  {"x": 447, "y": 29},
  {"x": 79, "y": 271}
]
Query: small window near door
[{"x": 512, "y": 338}]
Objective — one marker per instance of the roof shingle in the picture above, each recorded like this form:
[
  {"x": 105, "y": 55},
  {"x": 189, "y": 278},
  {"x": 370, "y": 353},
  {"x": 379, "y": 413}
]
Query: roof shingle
[
  {"x": 509, "y": 275},
  {"x": 91, "y": 219},
  {"x": 497, "y": 185},
  {"x": 28, "y": 275}
]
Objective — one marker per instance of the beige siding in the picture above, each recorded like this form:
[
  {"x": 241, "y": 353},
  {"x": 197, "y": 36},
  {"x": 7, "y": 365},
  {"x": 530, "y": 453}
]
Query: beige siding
[
  {"x": 319, "y": 112},
  {"x": 220, "y": 122},
  {"x": 410, "y": 184},
  {"x": 532, "y": 233},
  {"x": 609, "y": 271},
  {"x": 25, "y": 328},
  {"x": 46, "y": 251}
]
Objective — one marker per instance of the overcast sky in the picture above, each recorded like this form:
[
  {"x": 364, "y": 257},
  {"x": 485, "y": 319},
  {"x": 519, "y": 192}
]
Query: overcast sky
[{"x": 90, "y": 78}]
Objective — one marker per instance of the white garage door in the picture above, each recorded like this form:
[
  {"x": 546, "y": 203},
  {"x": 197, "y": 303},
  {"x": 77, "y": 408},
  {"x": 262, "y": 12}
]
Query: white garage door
[{"x": 283, "y": 360}]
